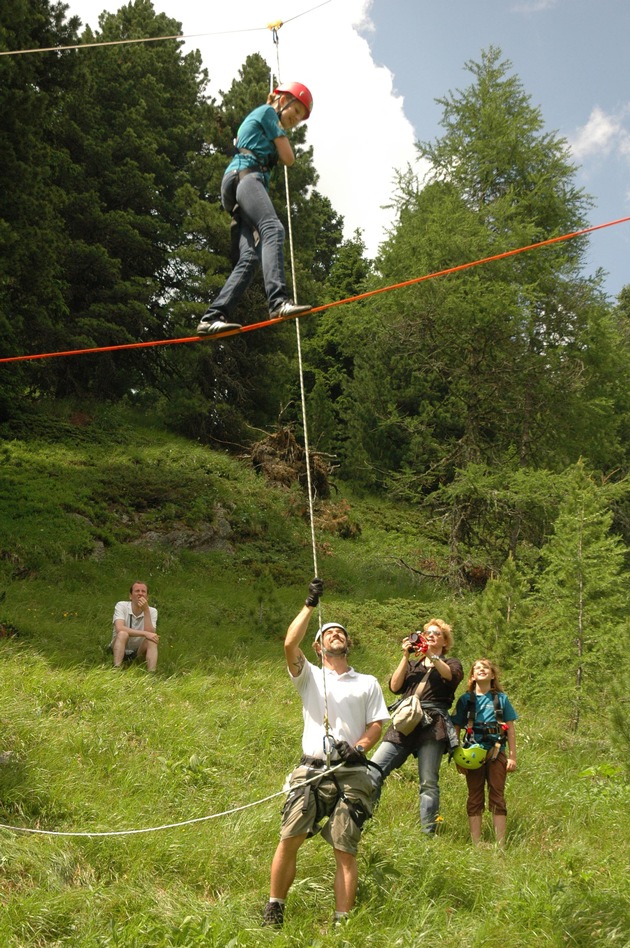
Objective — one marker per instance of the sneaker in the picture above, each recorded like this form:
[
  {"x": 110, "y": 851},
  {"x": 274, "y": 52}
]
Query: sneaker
[
  {"x": 212, "y": 323},
  {"x": 273, "y": 914},
  {"x": 288, "y": 308}
]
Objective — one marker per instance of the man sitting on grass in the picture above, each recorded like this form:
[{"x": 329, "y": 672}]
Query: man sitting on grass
[{"x": 133, "y": 632}]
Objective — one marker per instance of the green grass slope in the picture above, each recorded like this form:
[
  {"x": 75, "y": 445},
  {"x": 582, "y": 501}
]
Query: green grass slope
[{"x": 87, "y": 506}]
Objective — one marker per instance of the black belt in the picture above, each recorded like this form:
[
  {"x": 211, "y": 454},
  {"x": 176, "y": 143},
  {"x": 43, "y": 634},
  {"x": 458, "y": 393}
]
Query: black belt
[
  {"x": 307, "y": 761},
  {"x": 245, "y": 171}
]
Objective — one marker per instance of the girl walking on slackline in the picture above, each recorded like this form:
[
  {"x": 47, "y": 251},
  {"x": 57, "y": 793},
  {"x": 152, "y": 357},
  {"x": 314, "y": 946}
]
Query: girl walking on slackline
[
  {"x": 257, "y": 232},
  {"x": 487, "y": 711}
]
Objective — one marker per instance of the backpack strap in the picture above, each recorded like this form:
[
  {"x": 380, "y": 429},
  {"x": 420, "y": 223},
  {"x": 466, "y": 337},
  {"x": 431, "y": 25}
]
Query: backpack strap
[
  {"x": 470, "y": 717},
  {"x": 498, "y": 707},
  {"x": 498, "y": 730},
  {"x": 422, "y": 684},
  {"x": 501, "y": 732}
]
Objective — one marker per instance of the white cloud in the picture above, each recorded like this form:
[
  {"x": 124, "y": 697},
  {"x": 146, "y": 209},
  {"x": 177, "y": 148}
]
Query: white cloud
[
  {"x": 603, "y": 135},
  {"x": 534, "y": 6},
  {"x": 358, "y": 129}
]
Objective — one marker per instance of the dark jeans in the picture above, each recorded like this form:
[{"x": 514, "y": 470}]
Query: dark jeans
[
  {"x": 257, "y": 213},
  {"x": 391, "y": 756}
]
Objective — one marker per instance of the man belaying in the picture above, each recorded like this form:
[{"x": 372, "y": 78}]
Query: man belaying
[
  {"x": 257, "y": 232},
  {"x": 343, "y": 715}
]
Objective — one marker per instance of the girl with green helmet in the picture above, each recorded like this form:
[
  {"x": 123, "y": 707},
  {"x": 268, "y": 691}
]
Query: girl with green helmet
[{"x": 487, "y": 715}]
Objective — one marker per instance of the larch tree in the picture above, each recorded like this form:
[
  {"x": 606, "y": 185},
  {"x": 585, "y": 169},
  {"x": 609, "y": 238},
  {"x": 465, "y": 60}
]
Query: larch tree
[
  {"x": 579, "y": 630},
  {"x": 505, "y": 364}
]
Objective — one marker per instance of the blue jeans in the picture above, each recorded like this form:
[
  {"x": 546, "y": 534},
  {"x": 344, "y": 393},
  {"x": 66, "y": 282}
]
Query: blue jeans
[
  {"x": 391, "y": 756},
  {"x": 256, "y": 213}
]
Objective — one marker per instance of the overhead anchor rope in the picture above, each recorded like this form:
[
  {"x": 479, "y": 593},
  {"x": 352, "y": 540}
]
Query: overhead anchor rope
[
  {"x": 328, "y": 739},
  {"x": 274, "y": 27}
]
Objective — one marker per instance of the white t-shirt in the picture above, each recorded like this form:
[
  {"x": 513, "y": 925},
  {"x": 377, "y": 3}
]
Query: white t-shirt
[
  {"x": 122, "y": 610},
  {"x": 354, "y": 701}
]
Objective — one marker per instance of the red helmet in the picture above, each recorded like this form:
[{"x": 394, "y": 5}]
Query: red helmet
[{"x": 300, "y": 92}]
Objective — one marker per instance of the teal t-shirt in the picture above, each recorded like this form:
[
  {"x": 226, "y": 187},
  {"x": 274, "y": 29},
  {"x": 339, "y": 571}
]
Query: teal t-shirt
[
  {"x": 257, "y": 133},
  {"x": 484, "y": 714}
]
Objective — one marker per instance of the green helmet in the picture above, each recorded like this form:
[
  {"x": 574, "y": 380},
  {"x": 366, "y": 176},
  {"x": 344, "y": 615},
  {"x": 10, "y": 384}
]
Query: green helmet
[{"x": 470, "y": 757}]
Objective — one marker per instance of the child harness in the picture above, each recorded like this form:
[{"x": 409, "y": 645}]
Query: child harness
[{"x": 497, "y": 730}]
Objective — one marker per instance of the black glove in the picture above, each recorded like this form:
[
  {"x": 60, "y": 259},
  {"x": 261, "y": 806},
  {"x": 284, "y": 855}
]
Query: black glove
[
  {"x": 350, "y": 754},
  {"x": 315, "y": 590}
]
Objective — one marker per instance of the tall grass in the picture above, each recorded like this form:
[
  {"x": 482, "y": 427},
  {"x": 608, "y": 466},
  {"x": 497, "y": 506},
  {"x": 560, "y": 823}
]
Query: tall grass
[{"x": 218, "y": 727}]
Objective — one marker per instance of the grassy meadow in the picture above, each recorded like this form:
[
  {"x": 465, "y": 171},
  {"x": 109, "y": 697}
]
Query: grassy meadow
[{"x": 89, "y": 504}]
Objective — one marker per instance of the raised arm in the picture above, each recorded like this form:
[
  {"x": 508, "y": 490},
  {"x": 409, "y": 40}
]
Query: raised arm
[
  {"x": 297, "y": 630},
  {"x": 399, "y": 674}
]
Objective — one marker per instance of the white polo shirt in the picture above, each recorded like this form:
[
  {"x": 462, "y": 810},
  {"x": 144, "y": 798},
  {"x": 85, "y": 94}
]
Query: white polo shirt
[
  {"x": 124, "y": 610},
  {"x": 354, "y": 701}
]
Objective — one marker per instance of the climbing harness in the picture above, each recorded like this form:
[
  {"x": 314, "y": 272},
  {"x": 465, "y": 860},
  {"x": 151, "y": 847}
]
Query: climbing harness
[
  {"x": 498, "y": 730},
  {"x": 325, "y": 806},
  {"x": 232, "y": 207}
]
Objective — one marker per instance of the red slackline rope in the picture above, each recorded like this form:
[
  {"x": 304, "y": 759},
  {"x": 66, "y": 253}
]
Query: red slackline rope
[{"x": 318, "y": 309}]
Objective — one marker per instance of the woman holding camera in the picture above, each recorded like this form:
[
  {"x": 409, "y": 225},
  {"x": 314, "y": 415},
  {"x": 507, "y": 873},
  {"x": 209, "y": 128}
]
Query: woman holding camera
[{"x": 425, "y": 670}]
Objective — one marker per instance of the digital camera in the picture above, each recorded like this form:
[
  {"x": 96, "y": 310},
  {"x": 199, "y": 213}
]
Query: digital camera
[{"x": 418, "y": 642}]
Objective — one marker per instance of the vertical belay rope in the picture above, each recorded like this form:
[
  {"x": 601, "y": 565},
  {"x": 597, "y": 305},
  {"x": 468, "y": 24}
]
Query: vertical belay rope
[{"x": 328, "y": 740}]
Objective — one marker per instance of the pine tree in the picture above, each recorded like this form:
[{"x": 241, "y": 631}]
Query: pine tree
[
  {"x": 500, "y": 617},
  {"x": 472, "y": 367},
  {"x": 126, "y": 138},
  {"x": 581, "y": 601},
  {"x": 327, "y": 348},
  {"x": 32, "y": 91}
]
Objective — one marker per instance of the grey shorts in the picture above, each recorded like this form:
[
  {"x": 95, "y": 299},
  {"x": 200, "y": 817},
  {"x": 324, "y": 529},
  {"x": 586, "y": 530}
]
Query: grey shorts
[
  {"x": 131, "y": 649},
  {"x": 306, "y": 806}
]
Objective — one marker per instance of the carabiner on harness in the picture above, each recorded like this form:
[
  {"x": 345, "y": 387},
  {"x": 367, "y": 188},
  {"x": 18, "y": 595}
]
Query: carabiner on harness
[{"x": 328, "y": 743}]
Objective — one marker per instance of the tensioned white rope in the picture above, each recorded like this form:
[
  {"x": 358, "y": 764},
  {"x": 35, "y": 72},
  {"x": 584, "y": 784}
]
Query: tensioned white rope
[
  {"x": 298, "y": 337},
  {"x": 156, "y": 829},
  {"x": 328, "y": 741},
  {"x": 152, "y": 39}
]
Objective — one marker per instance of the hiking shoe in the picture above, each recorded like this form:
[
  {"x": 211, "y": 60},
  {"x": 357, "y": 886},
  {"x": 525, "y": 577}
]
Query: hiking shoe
[
  {"x": 273, "y": 914},
  {"x": 288, "y": 308},
  {"x": 212, "y": 323}
]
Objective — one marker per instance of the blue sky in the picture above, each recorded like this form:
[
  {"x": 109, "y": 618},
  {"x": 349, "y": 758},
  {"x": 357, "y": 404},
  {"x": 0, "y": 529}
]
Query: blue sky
[
  {"x": 375, "y": 68},
  {"x": 572, "y": 57}
]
